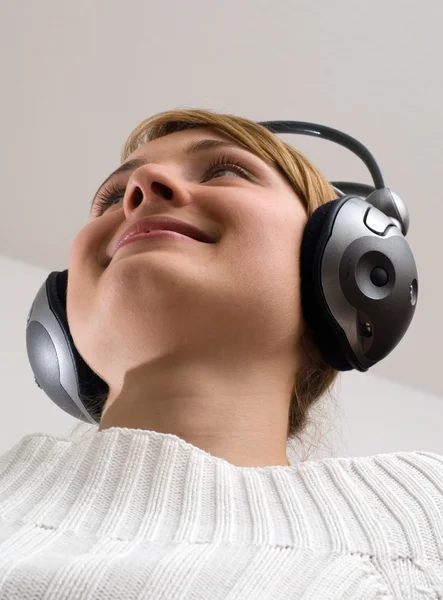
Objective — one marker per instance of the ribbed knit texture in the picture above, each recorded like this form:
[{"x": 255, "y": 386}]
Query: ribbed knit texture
[{"x": 134, "y": 514}]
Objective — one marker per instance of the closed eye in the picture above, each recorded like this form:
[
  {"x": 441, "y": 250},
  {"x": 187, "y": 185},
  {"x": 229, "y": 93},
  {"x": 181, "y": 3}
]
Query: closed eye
[{"x": 115, "y": 190}]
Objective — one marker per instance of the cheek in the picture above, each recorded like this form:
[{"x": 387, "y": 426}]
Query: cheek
[
  {"x": 83, "y": 275},
  {"x": 79, "y": 293},
  {"x": 274, "y": 260},
  {"x": 77, "y": 251},
  {"x": 263, "y": 262},
  {"x": 268, "y": 236},
  {"x": 82, "y": 247},
  {"x": 87, "y": 240},
  {"x": 87, "y": 254},
  {"x": 260, "y": 281},
  {"x": 261, "y": 253}
]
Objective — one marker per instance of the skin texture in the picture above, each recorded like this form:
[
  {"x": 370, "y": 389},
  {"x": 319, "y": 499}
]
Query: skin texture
[{"x": 198, "y": 340}]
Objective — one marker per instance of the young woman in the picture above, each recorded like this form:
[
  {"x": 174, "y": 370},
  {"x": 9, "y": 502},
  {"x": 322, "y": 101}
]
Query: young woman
[{"x": 184, "y": 491}]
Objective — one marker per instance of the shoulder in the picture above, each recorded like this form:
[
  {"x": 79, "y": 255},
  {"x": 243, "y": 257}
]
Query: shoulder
[
  {"x": 398, "y": 465},
  {"x": 410, "y": 476},
  {"x": 397, "y": 498},
  {"x": 403, "y": 482}
]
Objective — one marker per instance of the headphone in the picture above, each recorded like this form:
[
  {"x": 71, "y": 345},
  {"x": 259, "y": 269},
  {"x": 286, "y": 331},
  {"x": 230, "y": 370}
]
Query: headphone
[{"x": 358, "y": 283}]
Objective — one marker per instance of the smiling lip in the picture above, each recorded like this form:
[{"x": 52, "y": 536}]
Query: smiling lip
[
  {"x": 162, "y": 222},
  {"x": 156, "y": 233}
]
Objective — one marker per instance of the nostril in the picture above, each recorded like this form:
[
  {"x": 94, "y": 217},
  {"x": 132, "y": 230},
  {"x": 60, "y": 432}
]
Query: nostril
[
  {"x": 137, "y": 196},
  {"x": 162, "y": 190}
]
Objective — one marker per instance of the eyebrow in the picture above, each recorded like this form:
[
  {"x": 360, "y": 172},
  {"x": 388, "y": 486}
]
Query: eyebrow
[{"x": 192, "y": 148}]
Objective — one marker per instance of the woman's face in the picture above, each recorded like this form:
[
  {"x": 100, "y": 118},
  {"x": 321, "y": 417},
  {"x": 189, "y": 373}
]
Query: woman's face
[{"x": 230, "y": 303}]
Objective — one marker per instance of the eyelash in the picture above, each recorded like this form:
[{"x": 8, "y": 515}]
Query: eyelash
[{"x": 108, "y": 194}]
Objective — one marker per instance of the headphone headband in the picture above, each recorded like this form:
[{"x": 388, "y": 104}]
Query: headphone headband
[{"x": 333, "y": 135}]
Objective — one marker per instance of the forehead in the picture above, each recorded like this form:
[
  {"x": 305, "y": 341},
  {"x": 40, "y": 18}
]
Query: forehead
[{"x": 174, "y": 143}]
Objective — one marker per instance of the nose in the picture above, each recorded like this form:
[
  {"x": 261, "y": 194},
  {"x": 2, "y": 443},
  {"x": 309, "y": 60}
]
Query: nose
[{"x": 153, "y": 183}]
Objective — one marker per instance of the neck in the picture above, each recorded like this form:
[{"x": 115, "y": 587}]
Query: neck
[{"x": 246, "y": 428}]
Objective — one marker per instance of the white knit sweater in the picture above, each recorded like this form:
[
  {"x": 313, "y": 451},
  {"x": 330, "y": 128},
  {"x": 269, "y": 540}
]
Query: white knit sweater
[{"x": 134, "y": 514}]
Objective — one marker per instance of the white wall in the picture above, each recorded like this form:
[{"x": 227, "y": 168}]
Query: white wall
[{"x": 368, "y": 415}]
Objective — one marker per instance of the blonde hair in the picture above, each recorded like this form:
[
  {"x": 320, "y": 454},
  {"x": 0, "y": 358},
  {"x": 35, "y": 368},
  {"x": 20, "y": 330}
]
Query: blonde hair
[{"x": 315, "y": 377}]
